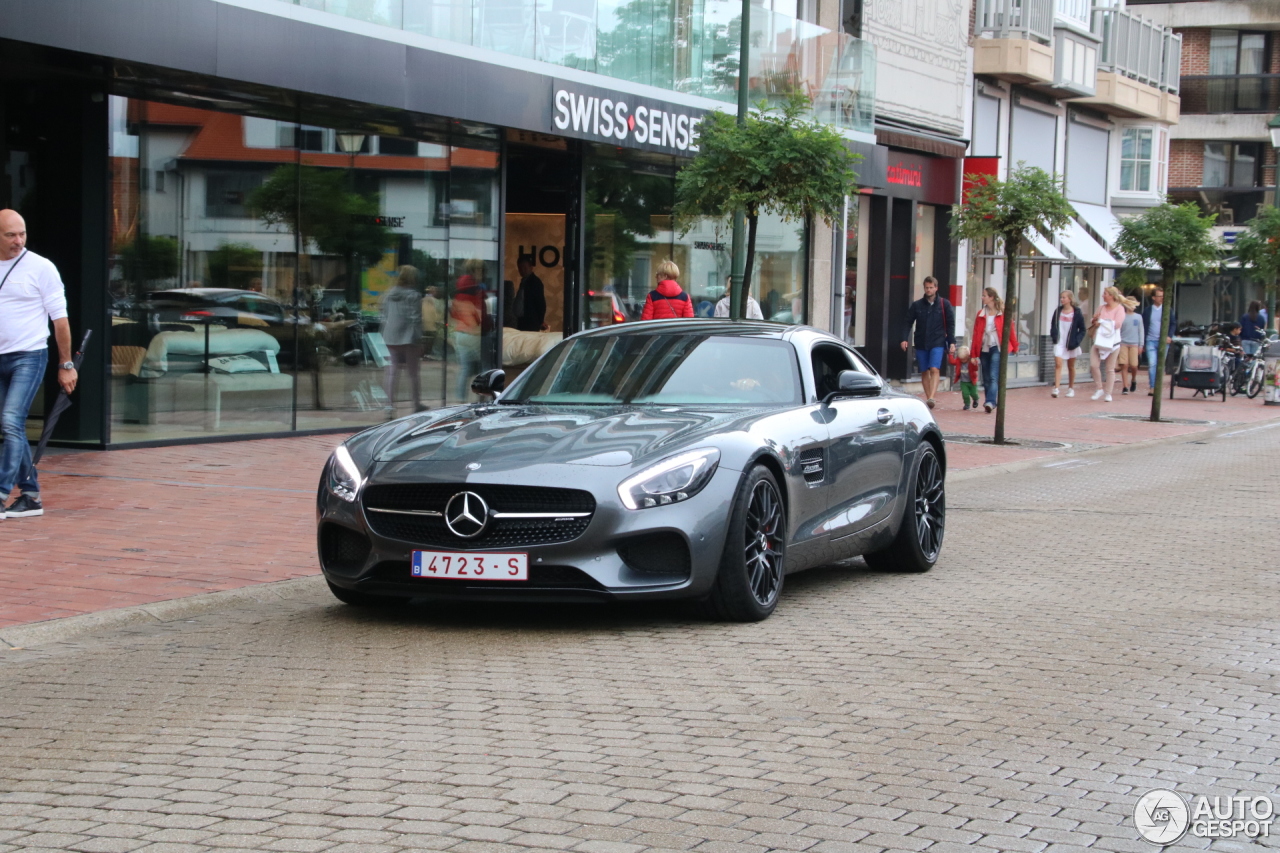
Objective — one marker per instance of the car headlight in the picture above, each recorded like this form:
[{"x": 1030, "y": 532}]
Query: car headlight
[
  {"x": 671, "y": 480},
  {"x": 344, "y": 479}
]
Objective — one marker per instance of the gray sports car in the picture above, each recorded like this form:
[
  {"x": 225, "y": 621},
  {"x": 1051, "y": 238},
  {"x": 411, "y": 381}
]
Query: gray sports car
[{"x": 670, "y": 459}]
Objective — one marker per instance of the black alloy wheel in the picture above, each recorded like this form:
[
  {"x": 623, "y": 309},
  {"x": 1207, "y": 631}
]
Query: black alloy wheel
[
  {"x": 930, "y": 507},
  {"x": 752, "y": 568},
  {"x": 918, "y": 543},
  {"x": 764, "y": 545}
]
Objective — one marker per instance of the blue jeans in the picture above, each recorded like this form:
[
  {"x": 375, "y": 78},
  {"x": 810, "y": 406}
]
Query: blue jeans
[
  {"x": 20, "y": 376},
  {"x": 1152, "y": 347},
  {"x": 991, "y": 375}
]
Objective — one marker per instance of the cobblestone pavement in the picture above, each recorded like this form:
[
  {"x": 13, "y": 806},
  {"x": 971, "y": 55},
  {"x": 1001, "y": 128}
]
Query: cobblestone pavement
[{"x": 1094, "y": 629}]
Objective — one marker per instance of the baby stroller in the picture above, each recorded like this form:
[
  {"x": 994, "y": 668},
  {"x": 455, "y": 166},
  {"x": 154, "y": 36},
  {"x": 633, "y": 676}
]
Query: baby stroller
[{"x": 1200, "y": 367}]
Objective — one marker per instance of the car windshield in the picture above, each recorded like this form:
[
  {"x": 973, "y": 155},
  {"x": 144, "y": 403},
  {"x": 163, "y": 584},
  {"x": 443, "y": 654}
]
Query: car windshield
[{"x": 656, "y": 369}]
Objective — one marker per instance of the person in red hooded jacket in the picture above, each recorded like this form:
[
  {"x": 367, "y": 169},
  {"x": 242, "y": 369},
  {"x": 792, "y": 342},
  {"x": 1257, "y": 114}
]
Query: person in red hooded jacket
[{"x": 668, "y": 301}]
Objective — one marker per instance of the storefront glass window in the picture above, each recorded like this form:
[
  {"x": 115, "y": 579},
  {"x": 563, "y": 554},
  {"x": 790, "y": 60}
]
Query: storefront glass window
[
  {"x": 271, "y": 273},
  {"x": 630, "y": 232}
]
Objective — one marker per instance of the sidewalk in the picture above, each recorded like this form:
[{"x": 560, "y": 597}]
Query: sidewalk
[{"x": 135, "y": 527}]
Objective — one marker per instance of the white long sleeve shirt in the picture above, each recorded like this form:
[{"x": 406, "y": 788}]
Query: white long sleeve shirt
[{"x": 31, "y": 297}]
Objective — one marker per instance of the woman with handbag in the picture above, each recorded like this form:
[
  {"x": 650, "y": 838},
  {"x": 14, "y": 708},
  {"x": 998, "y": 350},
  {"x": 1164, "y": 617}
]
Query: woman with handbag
[
  {"x": 988, "y": 326},
  {"x": 1067, "y": 331},
  {"x": 1106, "y": 340}
]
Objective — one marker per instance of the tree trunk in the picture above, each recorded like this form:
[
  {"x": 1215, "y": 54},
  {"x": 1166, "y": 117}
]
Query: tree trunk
[
  {"x": 1162, "y": 345},
  {"x": 753, "y": 221},
  {"x": 1010, "y": 300}
]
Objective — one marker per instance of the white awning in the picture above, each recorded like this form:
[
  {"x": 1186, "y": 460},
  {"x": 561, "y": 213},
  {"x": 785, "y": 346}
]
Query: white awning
[
  {"x": 1084, "y": 248},
  {"x": 1043, "y": 245},
  {"x": 1100, "y": 219}
]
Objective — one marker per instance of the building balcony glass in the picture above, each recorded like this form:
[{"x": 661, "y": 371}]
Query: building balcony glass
[
  {"x": 1222, "y": 94},
  {"x": 689, "y": 46}
]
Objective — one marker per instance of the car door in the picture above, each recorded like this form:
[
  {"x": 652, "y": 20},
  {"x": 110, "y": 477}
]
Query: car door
[{"x": 868, "y": 438}]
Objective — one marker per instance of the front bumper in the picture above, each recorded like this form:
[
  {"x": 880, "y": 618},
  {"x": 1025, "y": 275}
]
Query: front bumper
[{"x": 598, "y": 565}]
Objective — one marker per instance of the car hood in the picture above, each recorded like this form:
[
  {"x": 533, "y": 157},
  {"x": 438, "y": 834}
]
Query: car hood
[{"x": 503, "y": 437}]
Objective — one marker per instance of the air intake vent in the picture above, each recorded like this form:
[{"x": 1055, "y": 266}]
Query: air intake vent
[
  {"x": 343, "y": 550},
  {"x": 660, "y": 554},
  {"x": 813, "y": 463}
]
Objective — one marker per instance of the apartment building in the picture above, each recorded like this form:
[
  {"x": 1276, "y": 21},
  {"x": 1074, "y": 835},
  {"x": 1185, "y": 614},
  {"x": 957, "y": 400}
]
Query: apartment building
[
  {"x": 1221, "y": 155},
  {"x": 1091, "y": 92}
]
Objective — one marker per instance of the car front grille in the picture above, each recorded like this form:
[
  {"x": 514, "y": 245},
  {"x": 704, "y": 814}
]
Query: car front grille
[{"x": 393, "y": 511}]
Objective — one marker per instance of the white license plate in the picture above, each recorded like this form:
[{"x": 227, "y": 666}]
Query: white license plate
[{"x": 473, "y": 566}]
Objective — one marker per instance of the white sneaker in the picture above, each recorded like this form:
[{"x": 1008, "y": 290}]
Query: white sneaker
[
  {"x": 1107, "y": 398},
  {"x": 1099, "y": 394},
  {"x": 1071, "y": 392},
  {"x": 1054, "y": 392}
]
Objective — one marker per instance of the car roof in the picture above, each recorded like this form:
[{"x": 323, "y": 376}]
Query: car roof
[
  {"x": 205, "y": 291},
  {"x": 715, "y": 326}
]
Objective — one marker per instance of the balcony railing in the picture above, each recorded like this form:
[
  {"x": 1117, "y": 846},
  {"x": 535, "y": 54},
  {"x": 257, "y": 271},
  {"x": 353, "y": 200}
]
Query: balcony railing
[
  {"x": 1076, "y": 11},
  {"x": 1138, "y": 48},
  {"x": 1016, "y": 19},
  {"x": 1231, "y": 93},
  {"x": 691, "y": 48}
]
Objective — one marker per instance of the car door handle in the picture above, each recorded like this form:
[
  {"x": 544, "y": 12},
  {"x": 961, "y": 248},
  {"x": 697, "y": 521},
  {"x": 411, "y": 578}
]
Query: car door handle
[{"x": 884, "y": 416}]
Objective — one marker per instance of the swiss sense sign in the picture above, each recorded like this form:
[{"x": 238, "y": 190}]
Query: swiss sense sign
[{"x": 618, "y": 118}]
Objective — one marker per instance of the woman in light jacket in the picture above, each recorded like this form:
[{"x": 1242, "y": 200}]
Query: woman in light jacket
[
  {"x": 1067, "y": 331},
  {"x": 987, "y": 329},
  {"x": 402, "y": 333}
]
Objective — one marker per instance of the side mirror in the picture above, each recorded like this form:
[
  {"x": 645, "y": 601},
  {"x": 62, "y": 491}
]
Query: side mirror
[
  {"x": 852, "y": 383},
  {"x": 489, "y": 384}
]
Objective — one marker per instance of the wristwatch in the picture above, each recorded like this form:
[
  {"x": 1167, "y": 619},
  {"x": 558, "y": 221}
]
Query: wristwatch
[{"x": 67, "y": 365}]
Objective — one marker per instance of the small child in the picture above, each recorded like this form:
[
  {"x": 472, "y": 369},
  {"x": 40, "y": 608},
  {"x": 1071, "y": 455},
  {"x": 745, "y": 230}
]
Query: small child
[{"x": 968, "y": 381}]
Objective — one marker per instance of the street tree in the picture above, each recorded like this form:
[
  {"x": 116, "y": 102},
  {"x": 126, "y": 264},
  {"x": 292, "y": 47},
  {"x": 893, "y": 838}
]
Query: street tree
[
  {"x": 1180, "y": 242},
  {"x": 776, "y": 161},
  {"x": 1030, "y": 200},
  {"x": 1258, "y": 248},
  {"x": 320, "y": 206}
]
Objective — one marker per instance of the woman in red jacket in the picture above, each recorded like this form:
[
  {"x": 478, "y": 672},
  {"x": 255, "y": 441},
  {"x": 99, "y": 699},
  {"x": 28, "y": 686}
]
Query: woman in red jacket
[
  {"x": 987, "y": 329},
  {"x": 668, "y": 301}
]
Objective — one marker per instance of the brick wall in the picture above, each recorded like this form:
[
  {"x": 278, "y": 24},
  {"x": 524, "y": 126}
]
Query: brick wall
[
  {"x": 1268, "y": 166},
  {"x": 1195, "y": 51},
  {"x": 1186, "y": 162}
]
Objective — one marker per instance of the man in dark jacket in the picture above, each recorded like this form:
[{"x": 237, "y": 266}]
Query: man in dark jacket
[
  {"x": 935, "y": 322},
  {"x": 530, "y": 303}
]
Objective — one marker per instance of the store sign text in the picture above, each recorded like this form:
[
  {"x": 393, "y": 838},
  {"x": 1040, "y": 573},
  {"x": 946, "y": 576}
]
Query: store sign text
[
  {"x": 610, "y": 119},
  {"x": 905, "y": 176}
]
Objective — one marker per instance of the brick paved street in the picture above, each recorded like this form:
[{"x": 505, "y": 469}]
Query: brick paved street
[{"x": 1094, "y": 629}]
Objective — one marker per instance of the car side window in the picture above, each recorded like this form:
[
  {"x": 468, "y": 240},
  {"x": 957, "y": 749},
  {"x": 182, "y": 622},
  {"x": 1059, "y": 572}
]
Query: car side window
[{"x": 828, "y": 361}]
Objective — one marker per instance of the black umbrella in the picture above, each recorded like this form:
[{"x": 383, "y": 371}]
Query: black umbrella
[{"x": 60, "y": 405}]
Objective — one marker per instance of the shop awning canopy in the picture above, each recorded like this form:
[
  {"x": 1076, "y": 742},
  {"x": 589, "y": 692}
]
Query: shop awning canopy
[
  {"x": 1044, "y": 246},
  {"x": 1084, "y": 248},
  {"x": 1101, "y": 220}
]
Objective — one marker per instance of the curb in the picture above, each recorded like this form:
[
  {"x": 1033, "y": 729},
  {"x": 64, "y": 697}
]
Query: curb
[
  {"x": 1024, "y": 464},
  {"x": 173, "y": 610}
]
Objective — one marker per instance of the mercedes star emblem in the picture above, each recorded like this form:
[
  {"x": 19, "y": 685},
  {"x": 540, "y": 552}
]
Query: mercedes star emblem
[{"x": 466, "y": 514}]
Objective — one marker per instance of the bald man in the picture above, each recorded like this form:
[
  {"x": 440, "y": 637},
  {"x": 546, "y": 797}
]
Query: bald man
[{"x": 31, "y": 295}]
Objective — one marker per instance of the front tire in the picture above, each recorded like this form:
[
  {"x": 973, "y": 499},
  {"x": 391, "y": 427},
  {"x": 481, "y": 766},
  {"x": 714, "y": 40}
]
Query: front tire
[
  {"x": 1257, "y": 377},
  {"x": 919, "y": 541},
  {"x": 749, "y": 580}
]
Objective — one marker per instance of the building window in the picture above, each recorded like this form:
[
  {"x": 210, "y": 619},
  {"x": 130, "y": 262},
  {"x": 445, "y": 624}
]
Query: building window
[
  {"x": 1241, "y": 56},
  {"x": 1136, "y": 159},
  {"x": 851, "y": 17},
  {"x": 1232, "y": 164}
]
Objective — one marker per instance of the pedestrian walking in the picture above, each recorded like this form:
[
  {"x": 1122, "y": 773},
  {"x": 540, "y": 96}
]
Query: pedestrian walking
[
  {"x": 667, "y": 301},
  {"x": 966, "y": 376},
  {"x": 1066, "y": 328},
  {"x": 1151, "y": 318},
  {"x": 1105, "y": 352},
  {"x": 1253, "y": 325},
  {"x": 402, "y": 333},
  {"x": 988, "y": 326},
  {"x": 935, "y": 336},
  {"x": 31, "y": 296},
  {"x": 1132, "y": 338},
  {"x": 750, "y": 308}
]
